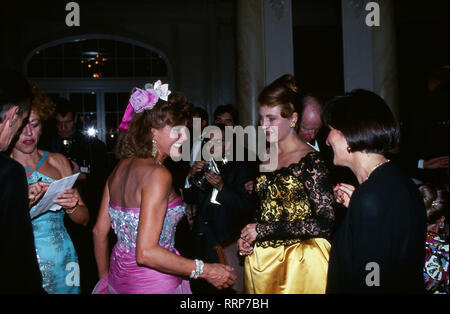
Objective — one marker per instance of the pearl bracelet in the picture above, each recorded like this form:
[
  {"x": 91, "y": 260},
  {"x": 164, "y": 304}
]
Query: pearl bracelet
[{"x": 198, "y": 269}]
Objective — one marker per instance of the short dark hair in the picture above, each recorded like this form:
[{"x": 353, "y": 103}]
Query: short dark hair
[
  {"x": 366, "y": 121},
  {"x": 201, "y": 112},
  {"x": 228, "y": 108},
  {"x": 15, "y": 90},
  {"x": 64, "y": 106}
]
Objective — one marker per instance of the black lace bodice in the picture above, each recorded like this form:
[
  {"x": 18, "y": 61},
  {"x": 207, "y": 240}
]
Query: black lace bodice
[{"x": 295, "y": 203}]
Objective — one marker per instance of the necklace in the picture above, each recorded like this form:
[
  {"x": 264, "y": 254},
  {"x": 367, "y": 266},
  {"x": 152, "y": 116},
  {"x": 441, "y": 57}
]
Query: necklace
[{"x": 376, "y": 166}]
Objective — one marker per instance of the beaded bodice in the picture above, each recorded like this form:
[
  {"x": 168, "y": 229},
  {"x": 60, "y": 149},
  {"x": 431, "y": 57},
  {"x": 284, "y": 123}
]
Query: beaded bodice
[{"x": 125, "y": 222}]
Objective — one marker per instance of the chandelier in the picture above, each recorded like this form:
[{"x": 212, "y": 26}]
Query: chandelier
[{"x": 94, "y": 62}]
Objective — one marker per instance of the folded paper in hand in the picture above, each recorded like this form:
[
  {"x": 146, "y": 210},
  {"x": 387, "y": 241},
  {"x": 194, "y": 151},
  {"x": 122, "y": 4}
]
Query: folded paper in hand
[{"x": 55, "y": 188}]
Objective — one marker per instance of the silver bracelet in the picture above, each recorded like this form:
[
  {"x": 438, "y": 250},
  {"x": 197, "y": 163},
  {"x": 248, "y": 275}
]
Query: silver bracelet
[{"x": 198, "y": 269}]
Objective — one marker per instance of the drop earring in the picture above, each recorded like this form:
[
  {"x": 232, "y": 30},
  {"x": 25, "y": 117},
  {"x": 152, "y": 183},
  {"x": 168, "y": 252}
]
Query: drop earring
[{"x": 154, "y": 147}]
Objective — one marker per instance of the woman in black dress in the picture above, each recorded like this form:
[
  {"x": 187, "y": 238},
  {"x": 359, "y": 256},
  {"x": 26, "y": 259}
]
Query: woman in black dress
[{"x": 379, "y": 246}]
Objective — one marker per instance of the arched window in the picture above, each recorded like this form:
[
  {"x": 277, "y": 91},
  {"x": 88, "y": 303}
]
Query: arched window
[
  {"x": 96, "y": 73},
  {"x": 95, "y": 58}
]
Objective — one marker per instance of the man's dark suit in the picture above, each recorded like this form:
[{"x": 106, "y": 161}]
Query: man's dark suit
[
  {"x": 214, "y": 223},
  {"x": 408, "y": 163},
  {"x": 19, "y": 269}
]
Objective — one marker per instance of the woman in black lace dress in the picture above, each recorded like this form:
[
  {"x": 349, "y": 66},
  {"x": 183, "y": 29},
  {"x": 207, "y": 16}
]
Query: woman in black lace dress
[{"x": 287, "y": 250}]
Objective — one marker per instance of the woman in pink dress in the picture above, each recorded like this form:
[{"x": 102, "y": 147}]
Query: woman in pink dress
[{"x": 141, "y": 206}]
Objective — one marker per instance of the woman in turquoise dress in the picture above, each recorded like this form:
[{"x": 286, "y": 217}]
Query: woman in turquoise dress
[{"x": 56, "y": 255}]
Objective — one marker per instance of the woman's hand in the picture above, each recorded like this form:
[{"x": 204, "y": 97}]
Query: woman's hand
[
  {"x": 244, "y": 248},
  {"x": 249, "y": 234},
  {"x": 35, "y": 191},
  {"x": 343, "y": 193},
  {"x": 219, "y": 275},
  {"x": 68, "y": 199}
]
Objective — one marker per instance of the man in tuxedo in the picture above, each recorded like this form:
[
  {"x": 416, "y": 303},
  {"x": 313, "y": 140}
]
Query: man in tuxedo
[
  {"x": 432, "y": 170},
  {"x": 311, "y": 121},
  {"x": 312, "y": 132},
  {"x": 19, "y": 269},
  {"x": 223, "y": 208}
]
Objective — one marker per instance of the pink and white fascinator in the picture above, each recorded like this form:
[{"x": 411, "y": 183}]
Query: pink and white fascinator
[{"x": 144, "y": 99}]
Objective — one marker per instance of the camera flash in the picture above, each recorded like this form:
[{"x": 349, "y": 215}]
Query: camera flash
[{"x": 91, "y": 131}]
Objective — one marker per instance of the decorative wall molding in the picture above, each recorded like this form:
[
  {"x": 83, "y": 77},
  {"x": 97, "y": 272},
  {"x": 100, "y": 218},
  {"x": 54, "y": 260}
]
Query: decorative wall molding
[
  {"x": 278, "y": 7},
  {"x": 357, "y": 7}
]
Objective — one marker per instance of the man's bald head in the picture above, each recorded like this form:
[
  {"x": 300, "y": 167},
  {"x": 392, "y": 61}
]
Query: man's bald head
[{"x": 311, "y": 119}]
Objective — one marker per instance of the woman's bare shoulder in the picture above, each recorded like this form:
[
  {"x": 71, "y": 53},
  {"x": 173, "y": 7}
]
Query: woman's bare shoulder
[
  {"x": 158, "y": 173},
  {"x": 144, "y": 170},
  {"x": 59, "y": 161}
]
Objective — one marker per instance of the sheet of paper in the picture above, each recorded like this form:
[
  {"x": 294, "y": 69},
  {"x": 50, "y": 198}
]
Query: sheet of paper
[{"x": 55, "y": 188}]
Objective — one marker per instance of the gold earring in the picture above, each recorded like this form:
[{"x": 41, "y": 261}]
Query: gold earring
[
  {"x": 292, "y": 124},
  {"x": 154, "y": 147}
]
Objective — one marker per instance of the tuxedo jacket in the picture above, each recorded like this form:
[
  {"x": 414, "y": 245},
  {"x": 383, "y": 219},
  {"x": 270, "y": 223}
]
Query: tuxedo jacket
[
  {"x": 19, "y": 269},
  {"x": 215, "y": 223}
]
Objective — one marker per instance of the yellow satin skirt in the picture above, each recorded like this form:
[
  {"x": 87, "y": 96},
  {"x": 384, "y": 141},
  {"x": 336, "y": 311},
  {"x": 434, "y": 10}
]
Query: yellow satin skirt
[{"x": 293, "y": 269}]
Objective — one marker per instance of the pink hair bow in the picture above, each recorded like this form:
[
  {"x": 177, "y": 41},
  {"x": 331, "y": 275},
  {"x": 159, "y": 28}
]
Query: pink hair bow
[{"x": 144, "y": 99}]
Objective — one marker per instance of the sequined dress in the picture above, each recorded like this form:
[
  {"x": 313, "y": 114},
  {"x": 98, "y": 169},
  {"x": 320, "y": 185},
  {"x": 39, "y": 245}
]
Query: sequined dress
[
  {"x": 58, "y": 261},
  {"x": 294, "y": 220},
  {"x": 435, "y": 271},
  {"x": 125, "y": 275}
]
